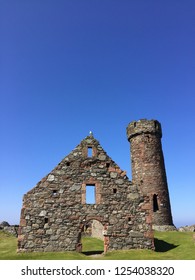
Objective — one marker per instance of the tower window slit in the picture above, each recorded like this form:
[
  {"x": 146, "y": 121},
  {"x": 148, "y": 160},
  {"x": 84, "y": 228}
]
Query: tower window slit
[{"x": 155, "y": 203}]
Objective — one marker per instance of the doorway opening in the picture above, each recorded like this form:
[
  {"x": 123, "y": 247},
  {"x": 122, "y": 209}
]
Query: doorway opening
[{"x": 91, "y": 240}]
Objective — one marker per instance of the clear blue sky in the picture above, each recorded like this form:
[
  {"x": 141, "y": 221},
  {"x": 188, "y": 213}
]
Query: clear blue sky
[{"x": 71, "y": 66}]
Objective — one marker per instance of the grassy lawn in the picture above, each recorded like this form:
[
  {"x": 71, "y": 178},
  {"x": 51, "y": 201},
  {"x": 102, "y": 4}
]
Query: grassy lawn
[{"x": 169, "y": 246}]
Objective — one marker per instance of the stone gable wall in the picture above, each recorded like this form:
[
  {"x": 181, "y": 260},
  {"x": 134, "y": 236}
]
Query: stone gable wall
[{"x": 55, "y": 211}]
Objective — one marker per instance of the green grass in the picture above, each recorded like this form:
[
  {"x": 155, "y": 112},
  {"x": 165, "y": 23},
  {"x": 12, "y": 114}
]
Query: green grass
[
  {"x": 92, "y": 246},
  {"x": 169, "y": 246}
]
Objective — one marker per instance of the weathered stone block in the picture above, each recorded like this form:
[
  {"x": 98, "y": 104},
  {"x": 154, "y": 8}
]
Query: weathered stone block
[
  {"x": 50, "y": 178},
  {"x": 113, "y": 174},
  {"x": 49, "y": 231},
  {"x": 133, "y": 196},
  {"x": 22, "y": 222},
  {"x": 43, "y": 213},
  {"x": 75, "y": 187},
  {"x": 119, "y": 181}
]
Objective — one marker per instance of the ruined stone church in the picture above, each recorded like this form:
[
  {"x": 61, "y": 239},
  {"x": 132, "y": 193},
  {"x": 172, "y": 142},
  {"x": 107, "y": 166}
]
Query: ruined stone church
[{"x": 56, "y": 211}]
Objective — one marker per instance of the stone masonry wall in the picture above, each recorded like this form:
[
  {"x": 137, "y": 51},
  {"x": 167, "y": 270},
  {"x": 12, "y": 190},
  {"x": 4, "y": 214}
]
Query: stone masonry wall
[{"x": 55, "y": 211}]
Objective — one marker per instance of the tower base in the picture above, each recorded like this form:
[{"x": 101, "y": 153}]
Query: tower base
[{"x": 164, "y": 228}]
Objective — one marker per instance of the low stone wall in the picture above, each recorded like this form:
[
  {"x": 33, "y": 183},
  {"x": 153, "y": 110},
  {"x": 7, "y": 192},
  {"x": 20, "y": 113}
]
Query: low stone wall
[
  {"x": 10, "y": 229},
  {"x": 187, "y": 228}
]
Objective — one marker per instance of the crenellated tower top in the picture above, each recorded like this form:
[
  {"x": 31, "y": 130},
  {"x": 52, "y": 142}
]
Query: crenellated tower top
[{"x": 144, "y": 126}]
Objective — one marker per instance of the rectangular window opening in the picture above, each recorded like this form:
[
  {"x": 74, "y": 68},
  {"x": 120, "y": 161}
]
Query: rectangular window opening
[
  {"x": 89, "y": 151},
  {"x": 90, "y": 194}
]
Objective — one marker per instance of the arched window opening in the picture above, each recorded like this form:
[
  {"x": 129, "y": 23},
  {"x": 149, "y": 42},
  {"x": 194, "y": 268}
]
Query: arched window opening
[{"x": 155, "y": 203}]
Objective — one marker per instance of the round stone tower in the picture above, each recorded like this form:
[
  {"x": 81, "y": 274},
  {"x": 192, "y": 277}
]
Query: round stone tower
[{"x": 148, "y": 169}]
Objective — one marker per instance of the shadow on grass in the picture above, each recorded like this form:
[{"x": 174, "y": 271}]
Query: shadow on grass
[
  {"x": 89, "y": 253},
  {"x": 162, "y": 246}
]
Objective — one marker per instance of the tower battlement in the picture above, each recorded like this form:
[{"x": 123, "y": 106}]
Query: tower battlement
[{"x": 144, "y": 126}]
